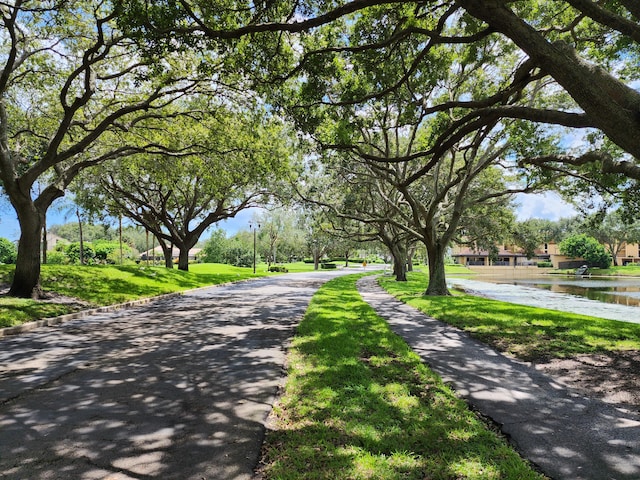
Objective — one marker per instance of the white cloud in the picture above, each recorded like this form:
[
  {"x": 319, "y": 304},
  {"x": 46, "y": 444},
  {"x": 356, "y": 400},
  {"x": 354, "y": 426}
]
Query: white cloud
[{"x": 546, "y": 205}]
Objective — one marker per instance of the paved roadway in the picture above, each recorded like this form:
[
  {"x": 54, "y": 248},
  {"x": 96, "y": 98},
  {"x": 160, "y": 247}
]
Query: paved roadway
[{"x": 176, "y": 389}]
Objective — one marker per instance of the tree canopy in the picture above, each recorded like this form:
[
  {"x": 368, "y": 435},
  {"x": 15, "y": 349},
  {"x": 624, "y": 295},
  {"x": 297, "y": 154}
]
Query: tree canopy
[{"x": 413, "y": 95}]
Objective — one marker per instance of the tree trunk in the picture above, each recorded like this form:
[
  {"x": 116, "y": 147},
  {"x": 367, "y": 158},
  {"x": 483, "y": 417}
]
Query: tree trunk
[
  {"x": 437, "y": 278},
  {"x": 26, "y": 280},
  {"x": 120, "y": 238},
  {"x": 399, "y": 255},
  {"x": 45, "y": 246},
  {"x": 167, "y": 251},
  {"x": 81, "y": 238},
  {"x": 183, "y": 258}
]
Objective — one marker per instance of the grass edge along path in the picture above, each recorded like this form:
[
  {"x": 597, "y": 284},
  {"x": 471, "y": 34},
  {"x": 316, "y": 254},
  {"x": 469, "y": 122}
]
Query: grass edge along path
[
  {"x": 528, "y": 333},
  {"x": 359, "y": 404}
]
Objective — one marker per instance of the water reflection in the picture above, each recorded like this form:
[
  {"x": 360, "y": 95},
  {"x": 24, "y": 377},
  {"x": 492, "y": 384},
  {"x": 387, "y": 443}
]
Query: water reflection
[
  {"x": 615, "y": 298},
  {"x": 622, "y": 292}
]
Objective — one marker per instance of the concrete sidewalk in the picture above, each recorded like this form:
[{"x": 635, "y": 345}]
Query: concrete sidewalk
[{"x": 568, "y": 436}]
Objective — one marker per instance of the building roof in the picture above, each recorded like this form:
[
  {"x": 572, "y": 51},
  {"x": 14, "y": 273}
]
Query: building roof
[{"x": 468, "y": 252}]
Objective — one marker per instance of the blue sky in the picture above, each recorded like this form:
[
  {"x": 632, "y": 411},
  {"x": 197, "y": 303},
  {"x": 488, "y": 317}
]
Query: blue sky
[{"x": 548, "y": 205}]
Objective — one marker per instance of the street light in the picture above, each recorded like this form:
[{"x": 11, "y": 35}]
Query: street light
[{"x": 254, "y": 226}]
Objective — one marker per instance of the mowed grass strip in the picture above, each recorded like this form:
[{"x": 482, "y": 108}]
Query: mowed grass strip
[
  {"x": 528, "y": 333},
  {"x": 359, "y": 404},
  {"x": 101, "y": 285}
]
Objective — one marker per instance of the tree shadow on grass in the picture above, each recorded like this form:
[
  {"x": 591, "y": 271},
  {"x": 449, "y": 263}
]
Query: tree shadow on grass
[{"x": 362, "y": 406}]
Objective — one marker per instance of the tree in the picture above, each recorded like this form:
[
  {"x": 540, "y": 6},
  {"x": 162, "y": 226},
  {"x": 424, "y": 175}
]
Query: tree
[
  {"x": 434, "y": 177},
  {"x": 613, "y": 230},
  {"x": 532, "y": 233},
  {"x": 8, "y": 251},
  {"x": 230, "y": 163},
  {"x": 589, "y": 49},
  {"x": 70, "y": 84},
  {"x": 214, "y": 249},
  {"x": 588, "y": 248}
]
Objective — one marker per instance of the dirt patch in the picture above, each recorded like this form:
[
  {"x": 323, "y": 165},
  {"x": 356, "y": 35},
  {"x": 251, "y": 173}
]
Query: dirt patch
[
  {"x": 52, "y": 297},
  {"x": 612, "y": 377}
]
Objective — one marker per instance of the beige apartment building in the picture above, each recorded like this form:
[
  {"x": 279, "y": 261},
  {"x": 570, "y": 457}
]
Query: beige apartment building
[{"x": 512, "y": 256}]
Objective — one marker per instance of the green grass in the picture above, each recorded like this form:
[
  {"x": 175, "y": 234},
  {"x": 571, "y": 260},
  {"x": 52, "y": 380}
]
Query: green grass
[
  {"x": 359, "y": 404},
  {"x": 527, "y": 332},
  {"x": 628, "y": 270}
]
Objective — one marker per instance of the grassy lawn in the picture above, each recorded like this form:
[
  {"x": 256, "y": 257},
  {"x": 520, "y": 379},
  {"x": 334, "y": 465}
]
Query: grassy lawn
[
  {"x": 359, "y": 404},
  {"x": 108, "y": 285},
  {"x": 526, "y": 332}
]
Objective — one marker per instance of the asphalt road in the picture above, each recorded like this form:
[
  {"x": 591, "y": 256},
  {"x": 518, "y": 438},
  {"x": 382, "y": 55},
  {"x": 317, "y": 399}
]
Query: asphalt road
[{"x": 176, "y": 389}]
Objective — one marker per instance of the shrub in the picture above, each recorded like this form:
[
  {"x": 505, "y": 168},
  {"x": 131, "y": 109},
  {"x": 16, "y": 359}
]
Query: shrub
[
  {"x": 8, "y": 251},
  {"x": 278, "y": 268},
  {"x": 545, "y": 264},
  {"x": 239, "y": 256},
  {"x": 73, "y": 252},
  {"x": 57, "y": 257}
]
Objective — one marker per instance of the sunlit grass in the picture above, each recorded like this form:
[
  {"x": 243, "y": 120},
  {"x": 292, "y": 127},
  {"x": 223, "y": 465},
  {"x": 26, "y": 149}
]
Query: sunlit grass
[
  {"x": 527, "y": 332},
  {"x": 359, "y": 404}
]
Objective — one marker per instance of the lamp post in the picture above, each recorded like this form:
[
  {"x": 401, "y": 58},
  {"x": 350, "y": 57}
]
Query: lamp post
[{"x": 254, "y": 226}]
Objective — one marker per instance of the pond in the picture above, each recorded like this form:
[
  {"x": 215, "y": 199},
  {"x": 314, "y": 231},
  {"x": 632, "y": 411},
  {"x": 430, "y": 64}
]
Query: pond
[{"x": 611, "y": 298}]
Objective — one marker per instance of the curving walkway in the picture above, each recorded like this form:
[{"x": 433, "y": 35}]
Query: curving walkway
[{"x": 567, "y": 436}]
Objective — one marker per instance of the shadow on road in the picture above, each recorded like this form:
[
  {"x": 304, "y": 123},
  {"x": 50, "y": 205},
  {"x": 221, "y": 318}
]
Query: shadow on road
[{"x": 178, "y": 389}]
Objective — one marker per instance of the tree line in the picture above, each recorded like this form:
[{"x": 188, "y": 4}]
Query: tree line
[{"x": 404, "y": 122}]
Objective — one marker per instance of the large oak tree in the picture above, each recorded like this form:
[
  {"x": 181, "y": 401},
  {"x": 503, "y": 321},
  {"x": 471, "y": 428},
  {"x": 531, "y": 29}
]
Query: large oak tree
[
  {"x": 589, "y": 49},
  {"x": 223, "y": 161},
  {"x": 70, "y": 83}
]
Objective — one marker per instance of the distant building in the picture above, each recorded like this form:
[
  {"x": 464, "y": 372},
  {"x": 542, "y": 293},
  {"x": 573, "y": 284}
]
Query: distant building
[
  {"x": 53, "y": 240},
  {"x": 506, "y": 257},
  {"x": 629, "y": 253},
  {"x": 158, "y": 254},
  {"x": 547, "y": 252}
]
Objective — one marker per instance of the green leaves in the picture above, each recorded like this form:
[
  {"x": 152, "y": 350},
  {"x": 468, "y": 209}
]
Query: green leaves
[{"x": 588, "y": 248}]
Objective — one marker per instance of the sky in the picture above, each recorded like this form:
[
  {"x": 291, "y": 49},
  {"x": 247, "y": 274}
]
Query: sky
[{"x": 548, "y": 206}]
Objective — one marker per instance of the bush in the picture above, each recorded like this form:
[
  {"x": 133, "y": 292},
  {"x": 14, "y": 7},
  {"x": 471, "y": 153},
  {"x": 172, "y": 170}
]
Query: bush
[
  {"x": 545, "y": 264},
  {"x": 57, "y": 258},
  {"x": 588, "y": 248},
  {"x": 8, "y": 251},
  {"x": 73, "y": 252},
  {"x": 108, "y": 252},
  {"x": 278, "y": 268},
  {"x": 239, "y": 257}
]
